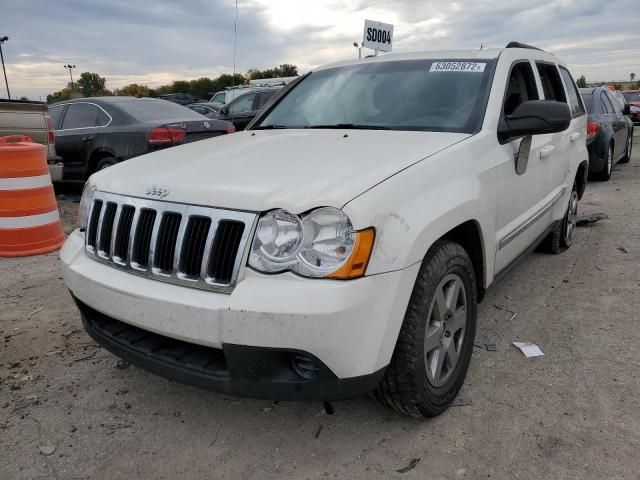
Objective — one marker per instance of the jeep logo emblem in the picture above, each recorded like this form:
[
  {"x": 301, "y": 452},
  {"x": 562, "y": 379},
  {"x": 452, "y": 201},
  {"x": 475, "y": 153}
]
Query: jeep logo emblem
[{"x": 159, "y": 192}]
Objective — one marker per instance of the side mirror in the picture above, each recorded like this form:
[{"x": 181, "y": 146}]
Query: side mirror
[
  {"x": 224, "y": 110},
  {"x": 535, "y": 117},
  {"x": 626, "y": 110}
]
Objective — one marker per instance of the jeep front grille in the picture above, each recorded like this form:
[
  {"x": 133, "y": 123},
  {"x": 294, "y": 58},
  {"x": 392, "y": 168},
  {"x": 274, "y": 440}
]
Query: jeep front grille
[{"x": 200, "y": 247}]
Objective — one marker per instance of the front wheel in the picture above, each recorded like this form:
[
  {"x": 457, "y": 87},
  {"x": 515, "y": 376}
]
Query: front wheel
[{"x": 434, "y": 347}]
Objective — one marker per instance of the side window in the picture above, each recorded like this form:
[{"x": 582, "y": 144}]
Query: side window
[
  {"x": 264, "y": 98},
  {"x": 103, "y": 118},
  {"x": 616, "y": 106},
  {"x": 218, "y": 97},
  {"x": 575, "y": 100},
  {"x": 56, "y": 114},
  {"x": 243, "y": 104},
  {"x": 80, "y": 115},
  {"x": 551, "y": 83},
  {"x": 521, "y": 87},
  {"x": 606, "y": 104}
]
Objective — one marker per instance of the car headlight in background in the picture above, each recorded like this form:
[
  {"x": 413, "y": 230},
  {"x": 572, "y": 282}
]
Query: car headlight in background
[
  {"x": 88, "y": 192},
  {"x": 321, "y": 243}
]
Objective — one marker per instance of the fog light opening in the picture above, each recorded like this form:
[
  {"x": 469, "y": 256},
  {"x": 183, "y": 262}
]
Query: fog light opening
[{"x": 305, "y": 366}]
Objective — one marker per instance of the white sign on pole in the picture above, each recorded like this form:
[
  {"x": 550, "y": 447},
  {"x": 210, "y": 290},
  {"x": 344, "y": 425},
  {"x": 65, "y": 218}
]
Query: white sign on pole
[{"x": 378, "y": 35}]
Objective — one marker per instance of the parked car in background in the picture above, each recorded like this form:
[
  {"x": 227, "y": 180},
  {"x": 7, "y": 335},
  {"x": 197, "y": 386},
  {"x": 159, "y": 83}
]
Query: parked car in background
[
  {"x": 23, "y": 117},
  {"x": 207, "y": 109},
  {"x": 97, "y": 132},
  {"x": 244, "y": 108},
  {"x": 180, "y": 98},
  {"x": 231, "y": 93},
  {"x": 633, "y": 99},
  {"x": 609, "y": 132}
]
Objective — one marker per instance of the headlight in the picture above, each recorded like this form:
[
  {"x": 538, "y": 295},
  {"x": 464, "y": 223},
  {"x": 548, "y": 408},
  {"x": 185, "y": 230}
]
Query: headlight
[
  {"x": 88, "y": 192},
  {"x": 321, "y": 243}
]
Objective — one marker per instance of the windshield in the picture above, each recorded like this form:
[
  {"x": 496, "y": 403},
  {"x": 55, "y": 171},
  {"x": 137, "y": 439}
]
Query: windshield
[
  {"x": 151, "y": 109},
  {"x": 430, "y": 95},
  {"x": 632, "y": 96}
]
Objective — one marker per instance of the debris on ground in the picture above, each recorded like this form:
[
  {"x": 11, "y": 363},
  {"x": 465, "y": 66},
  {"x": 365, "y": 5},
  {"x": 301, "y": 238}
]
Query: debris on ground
[
  {"x": 588, "y": 219},
  {"x": 318, "y": 431},
  {"x": 491, "y": 347},
  {"x": 122, "y": 365},
  {"x": 70, "y": 331},
  {"x": 504, "y": 309},
  {"x": 37, "y": 310},
  {"x": 461, "y": 402},
  {"x": 529, "y": 349},
  {"x": 411, "y": 466},
  {"x": 47, "y": 449},
  {"x": 622, "y": 249}
]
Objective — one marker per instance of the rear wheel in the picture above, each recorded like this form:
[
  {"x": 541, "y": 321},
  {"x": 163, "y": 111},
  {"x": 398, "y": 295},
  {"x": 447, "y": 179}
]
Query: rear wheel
[
  {"x": 435, "y": 343},
  {"x": 627, "y": 150},
  {"x": 561, "y": 238},
  {"x": 605, "y": 173}
]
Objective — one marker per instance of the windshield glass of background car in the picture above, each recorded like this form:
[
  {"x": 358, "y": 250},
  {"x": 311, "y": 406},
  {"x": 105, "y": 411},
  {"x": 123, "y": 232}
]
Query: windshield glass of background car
[
  {"x": 399, "y": 95},
  {"x": 146, "y": 110}
]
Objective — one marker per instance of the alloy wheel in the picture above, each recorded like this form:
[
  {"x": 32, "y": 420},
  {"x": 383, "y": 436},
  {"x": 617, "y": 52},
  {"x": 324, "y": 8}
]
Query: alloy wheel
[
  {"x": 572, "y": 216},
  {"x": 446, "y": 327},
  {"x": 609, "y": 160}
]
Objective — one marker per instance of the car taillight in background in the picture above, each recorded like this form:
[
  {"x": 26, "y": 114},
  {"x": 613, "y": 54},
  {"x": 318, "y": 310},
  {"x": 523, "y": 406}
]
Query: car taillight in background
[
  {"x": 166, "y": 135},
  {"x": 230, "y": 128},
  {"x": 592, "y": 130},
  {"x": 51, "y": 136}
]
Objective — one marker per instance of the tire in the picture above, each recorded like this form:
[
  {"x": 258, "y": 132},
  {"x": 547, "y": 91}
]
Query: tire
[
  {"x": 106, "y": 162},
  {"x": 561, "y": 237},
  {"x": 627, "y": 150},
  {"x": 605, "y": 174},
  {"x": 409, "y": 386}
]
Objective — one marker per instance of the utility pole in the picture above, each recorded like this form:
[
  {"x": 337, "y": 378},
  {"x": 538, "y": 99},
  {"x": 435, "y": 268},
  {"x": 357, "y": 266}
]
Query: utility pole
[
  {"x": 70, "y": 67},
  {"x": 6, "y": 82}
]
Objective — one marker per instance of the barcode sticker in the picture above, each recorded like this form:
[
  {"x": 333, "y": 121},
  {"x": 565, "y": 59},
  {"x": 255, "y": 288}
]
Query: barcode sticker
[{"x": 457, "y": 67}]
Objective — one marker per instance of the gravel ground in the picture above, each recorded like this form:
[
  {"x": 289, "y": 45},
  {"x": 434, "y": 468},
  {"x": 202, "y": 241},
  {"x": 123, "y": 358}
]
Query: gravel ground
[{"x": 69, "y": 409}]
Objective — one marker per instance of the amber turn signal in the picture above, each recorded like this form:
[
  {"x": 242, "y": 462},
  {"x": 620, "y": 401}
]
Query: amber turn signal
[{"x": 356, "y": 266}]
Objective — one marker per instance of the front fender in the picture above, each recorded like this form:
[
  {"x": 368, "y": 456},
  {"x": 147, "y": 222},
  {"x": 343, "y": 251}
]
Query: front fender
[{"x": 412, "y": 210}]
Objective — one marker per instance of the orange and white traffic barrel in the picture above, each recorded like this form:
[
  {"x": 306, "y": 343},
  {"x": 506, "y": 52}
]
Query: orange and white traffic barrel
[{"x": 29, "y": 219}]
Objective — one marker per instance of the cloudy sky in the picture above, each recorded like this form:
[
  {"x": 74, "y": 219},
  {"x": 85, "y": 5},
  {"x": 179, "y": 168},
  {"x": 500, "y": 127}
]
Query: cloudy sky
[{"x": 156, "y": 41}]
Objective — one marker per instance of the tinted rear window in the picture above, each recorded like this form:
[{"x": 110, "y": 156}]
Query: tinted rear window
[{"x": 146, "y": 110}]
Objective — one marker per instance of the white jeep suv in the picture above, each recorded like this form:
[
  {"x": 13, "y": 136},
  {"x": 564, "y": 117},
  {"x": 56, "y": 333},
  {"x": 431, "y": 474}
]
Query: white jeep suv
[{"x": 339, "y": 245}]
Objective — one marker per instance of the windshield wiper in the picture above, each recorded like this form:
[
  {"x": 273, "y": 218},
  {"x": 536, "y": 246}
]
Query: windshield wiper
[
  {"x": 353, "y": 126},
  {"x": 269, "y": 127}
]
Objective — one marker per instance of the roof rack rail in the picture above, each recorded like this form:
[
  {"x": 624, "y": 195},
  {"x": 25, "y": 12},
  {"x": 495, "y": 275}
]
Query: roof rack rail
[{"x": 522, "y": 45}]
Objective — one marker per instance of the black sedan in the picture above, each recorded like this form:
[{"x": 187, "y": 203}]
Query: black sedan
[
  {"x": 97, "y": 132},
  {"x": 609, "y": 132},
  {"x": 245, "y": 107}
]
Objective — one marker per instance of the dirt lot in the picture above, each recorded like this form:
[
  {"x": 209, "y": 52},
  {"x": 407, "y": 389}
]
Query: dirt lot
[{"x": 69, "y": 409}]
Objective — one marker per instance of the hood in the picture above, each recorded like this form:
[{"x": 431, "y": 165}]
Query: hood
[{"x": 260, "y": 170}]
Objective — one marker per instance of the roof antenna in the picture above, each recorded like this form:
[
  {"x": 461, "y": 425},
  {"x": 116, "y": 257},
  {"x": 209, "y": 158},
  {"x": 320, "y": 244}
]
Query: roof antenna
[{"x": 235, "y": 37}]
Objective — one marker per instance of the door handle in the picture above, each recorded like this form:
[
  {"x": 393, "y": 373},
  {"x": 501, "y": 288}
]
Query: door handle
[
  {"x": 88, "y": 138},
  {"x": 574, "y": 136},
  {"x": 546, "y": 151}
]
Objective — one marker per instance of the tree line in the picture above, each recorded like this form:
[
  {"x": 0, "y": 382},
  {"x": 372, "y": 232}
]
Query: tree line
[{"x": 91, "y": 84}]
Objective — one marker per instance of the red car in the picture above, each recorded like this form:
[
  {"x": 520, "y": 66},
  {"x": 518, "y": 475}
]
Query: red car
[{"x": 633, "y": 99}]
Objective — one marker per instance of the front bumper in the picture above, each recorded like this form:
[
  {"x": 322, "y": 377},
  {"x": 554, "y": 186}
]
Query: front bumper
[{"x": 348, "y": 328}]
